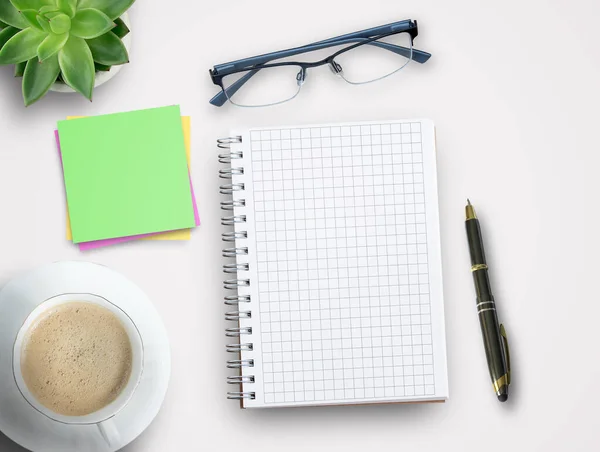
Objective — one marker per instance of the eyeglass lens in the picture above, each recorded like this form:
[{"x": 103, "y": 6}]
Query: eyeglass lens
[
  {"x": 263, "y": 87},
  {"x": 375, "y": 60}
]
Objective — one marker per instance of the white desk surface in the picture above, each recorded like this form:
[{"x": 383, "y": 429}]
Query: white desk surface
[{"x": 513, "y": 89}]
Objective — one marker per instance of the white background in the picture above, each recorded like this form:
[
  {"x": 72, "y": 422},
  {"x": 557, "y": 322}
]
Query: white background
[{"x": 513, "y": 89}]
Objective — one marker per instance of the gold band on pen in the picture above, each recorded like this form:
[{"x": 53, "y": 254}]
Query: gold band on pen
[
  {"x": 502, "y": 381},
  {"x": 470, "y": 211},
  {"x": 476, "y": 267}
]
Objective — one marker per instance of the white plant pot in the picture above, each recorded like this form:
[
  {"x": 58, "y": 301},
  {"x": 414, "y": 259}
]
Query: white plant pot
[{"x": 101, "y": 77}]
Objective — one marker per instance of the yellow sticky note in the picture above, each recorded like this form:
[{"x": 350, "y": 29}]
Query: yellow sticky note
[{"x": 182, "y": 234}]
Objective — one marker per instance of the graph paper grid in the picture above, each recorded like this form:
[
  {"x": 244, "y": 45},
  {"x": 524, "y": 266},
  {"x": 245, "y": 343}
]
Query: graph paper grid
[{"x": 342, "y": 271}]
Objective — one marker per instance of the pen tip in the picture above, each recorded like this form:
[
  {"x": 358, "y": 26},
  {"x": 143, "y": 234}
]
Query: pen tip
[
  {"x": 468, "y": 202},
  {"x": 503, "y": 393}
]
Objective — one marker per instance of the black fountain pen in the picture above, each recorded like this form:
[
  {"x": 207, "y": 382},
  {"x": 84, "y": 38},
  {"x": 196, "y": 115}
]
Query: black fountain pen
[{"x": 494, "y": 336}]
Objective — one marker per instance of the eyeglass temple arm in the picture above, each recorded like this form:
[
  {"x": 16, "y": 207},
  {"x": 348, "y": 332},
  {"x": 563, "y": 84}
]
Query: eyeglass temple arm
[
  {"x": 219, "y": 99},
  {"x": 396, "y": 27},
  {"x": 417, "y": 55}
]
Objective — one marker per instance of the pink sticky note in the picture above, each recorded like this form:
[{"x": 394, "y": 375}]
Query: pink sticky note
[{"x": 107, "y": 242}]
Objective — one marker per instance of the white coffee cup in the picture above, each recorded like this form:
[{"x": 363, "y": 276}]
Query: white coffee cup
[{"x": 103, "y": 417}]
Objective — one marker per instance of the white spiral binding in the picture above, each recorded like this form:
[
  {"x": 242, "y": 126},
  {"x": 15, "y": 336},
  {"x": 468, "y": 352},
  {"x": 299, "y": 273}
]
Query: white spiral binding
[
  {"x": 232, "y": 220},
  {"x": 234, "y": 268},
  {"x": 233, "y": 252},
  {"x": 237, "y": 379},
  {"x": 238, "y": 250},
  {"x": 235, "y": 300},
  {"x": 237, "y": 332}
]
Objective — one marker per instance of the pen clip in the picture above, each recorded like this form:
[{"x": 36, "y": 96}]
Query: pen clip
[{"x": 506, "y": 350}]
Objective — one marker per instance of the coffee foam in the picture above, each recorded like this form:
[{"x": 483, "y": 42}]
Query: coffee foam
[{"x": 76, "y": 358}]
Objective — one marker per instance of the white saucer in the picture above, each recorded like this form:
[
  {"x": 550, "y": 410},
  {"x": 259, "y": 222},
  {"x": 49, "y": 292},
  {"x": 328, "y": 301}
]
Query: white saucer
[{"x": 31, "y": 429}]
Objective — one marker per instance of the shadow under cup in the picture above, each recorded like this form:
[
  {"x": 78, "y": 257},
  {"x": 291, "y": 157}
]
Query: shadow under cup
[{"x": 102, "y": 417}]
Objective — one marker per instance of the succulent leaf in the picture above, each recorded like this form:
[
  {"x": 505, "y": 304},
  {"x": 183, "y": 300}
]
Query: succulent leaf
[
  {"x": 90, "y": 23},
  {"x": 66, "y": 40},
  {"x": 52, "y": 14},
  {"x": 22, "y": 46},
  {"x": 6, "y": 34},
  {"x": 20, "y": 68},
  {"x": 60, "y": 23},
  {"x": 108, "y": 49},
  {"x": 51, "y": 45},
  {"x": 44, "y": 23},
  {"x": 121, "y": 30},
  {"x": 102, "y": 67},
  {"x": 10, "y": 15},
  {"x": 20, "y": 5},
  {"x": 112, "y": 8},
  {"x": 69, "y": 7},
  {"x": 38, "y": 78},
  {"x": 48, "y": 9},
  {"x": 31, "y": 16},
  {"x": 77, "y": 66}
]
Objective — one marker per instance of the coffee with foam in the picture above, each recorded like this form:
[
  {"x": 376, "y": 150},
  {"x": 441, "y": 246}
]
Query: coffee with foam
[{"x": 76, "y": 358}]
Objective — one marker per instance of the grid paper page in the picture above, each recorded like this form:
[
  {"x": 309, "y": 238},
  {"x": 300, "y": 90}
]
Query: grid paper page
[{"x": 345, "y": 264}]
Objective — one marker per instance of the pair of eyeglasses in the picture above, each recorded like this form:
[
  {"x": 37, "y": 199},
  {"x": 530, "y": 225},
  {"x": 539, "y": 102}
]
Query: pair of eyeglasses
[{"x": 361, "y": 57}]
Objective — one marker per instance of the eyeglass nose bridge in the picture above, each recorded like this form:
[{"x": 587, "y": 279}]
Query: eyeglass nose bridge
[
  {"x": 301, "y": 76},
  {"x": 335, "y": 67}
]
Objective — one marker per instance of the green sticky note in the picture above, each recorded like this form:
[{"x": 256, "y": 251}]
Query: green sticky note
[{"x": 126, "y": 174}]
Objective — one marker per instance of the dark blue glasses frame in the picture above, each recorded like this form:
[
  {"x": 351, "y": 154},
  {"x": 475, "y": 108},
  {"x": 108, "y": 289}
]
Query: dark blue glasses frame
[{"x": 370, "y": 36}]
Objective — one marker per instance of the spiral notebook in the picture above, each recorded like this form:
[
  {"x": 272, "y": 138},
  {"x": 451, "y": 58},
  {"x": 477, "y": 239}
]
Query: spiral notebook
[{"x": 334, "y": 273}]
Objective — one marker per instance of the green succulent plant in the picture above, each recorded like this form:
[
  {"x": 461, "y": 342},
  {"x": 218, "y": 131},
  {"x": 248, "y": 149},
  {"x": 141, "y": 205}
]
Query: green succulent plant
[{"x": 61, "y": 40}]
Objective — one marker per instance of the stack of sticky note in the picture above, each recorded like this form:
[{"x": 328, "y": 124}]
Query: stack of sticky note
[{"x": 127, "y": 177}]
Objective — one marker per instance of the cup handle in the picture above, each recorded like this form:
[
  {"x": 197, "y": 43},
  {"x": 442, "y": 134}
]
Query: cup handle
[{"x": 109, "y": 432}]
